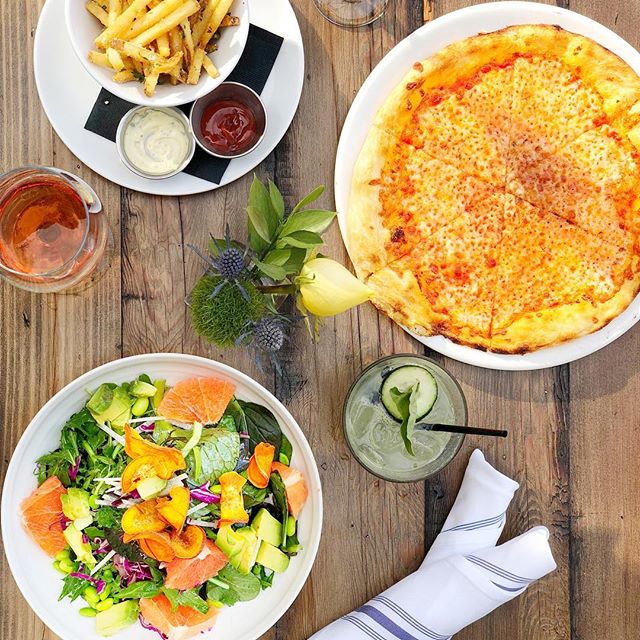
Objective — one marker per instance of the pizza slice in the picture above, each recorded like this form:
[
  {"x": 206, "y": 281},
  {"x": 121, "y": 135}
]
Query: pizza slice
[
  {"x": 400, "y": 196},
  {"x": 447, "y": 283},
  {"x": 554, "y": 281},
  {"x": 593, "y": 182}
]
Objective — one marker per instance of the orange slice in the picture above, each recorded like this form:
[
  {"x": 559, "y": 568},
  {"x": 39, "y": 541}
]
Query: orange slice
[
  {"x": 295, "y": 487},
  {"x": 181, "y": 624},
  {"x": 197, "y": 400},
  {"x": 188, "y": 573},
  {"x": 42, "y": 516}
]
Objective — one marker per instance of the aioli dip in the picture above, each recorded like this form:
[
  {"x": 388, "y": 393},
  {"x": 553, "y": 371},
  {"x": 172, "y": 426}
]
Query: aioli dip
[{"x": 156, "y": 141}]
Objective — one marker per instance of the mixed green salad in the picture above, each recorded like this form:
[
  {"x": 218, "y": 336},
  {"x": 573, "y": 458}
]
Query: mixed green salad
[{"x": 166, "y": 505}]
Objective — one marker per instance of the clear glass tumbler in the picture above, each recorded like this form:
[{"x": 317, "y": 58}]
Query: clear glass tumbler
[
  {"x": 53, "y": 233},
  {"x": 351, "y": 13}
]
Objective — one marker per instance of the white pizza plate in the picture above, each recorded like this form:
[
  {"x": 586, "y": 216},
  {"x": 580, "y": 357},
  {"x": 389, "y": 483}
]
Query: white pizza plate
[
  {"x": 68, "y": 92},
  {"x": 32, "y": 569},
  {"x": 423, "y": 43}
]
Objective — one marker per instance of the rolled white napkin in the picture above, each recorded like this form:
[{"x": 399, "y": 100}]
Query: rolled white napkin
[
  {"x": 478, "y": 515},
  {"x": 460, "y": 582}
]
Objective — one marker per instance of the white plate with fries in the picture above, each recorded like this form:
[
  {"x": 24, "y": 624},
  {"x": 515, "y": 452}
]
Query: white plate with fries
[
  {"x": 179, "y": 49},
  {"x": 68, "y": 94}
]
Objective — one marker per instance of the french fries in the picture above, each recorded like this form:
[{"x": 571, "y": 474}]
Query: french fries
[{"x": 155, "y": 41}]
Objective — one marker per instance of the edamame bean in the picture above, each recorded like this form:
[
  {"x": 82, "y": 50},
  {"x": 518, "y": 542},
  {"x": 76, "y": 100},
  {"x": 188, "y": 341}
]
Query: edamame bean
[
  {"x": 104, "y": 605},
  {"x": 63, "y": 555},
  {"x": 107, "y": 575},
  {"x": 68, "y": 565},
  {"x": 56, "y": 566},
  {"x": 104, "y": 594},
  {"x": 91, "y": 596},
  {"x": 140, "y": 406},
  {"x": 88, "y": 612},
  {"x": 93, "y": 502}
]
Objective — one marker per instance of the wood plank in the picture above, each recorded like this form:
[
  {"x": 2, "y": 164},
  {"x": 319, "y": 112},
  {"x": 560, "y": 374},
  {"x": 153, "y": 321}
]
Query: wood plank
[
  {"x": 605, "y": 486},
  {"x": 42, "y": 352}
]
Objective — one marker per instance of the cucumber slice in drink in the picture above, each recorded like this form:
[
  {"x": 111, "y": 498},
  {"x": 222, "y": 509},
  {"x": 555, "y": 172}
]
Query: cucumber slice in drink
[{"x": 403, "y": 379}]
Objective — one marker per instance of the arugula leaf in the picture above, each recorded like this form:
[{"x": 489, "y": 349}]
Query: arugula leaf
[
  {"x": 189, "y": 598},
  {"x": 242, "y": 588},
  {"x": 262, "y": 426},
  {"x": 264, "y": 575},
  {"x": 218, "y": 451},
  {"x": 140, "y": 589},
  {"x": 108, "y": 517},
  {"x": 129, "y": 551},
  {"x": 407, "y": 402},
  {"x": 276, "y": 484},
  {"x": 72, "y": 588}
]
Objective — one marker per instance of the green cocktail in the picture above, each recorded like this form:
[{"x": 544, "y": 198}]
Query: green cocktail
[{"x": 374, "y": 434}]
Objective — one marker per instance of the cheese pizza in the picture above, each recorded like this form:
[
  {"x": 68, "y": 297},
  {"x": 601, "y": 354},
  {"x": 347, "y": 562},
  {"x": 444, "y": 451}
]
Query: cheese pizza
[{"x": 496, "y": 198}]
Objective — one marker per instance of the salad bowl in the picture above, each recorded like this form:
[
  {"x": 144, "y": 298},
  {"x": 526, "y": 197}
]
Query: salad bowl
[{"x": 32, "y": 568}]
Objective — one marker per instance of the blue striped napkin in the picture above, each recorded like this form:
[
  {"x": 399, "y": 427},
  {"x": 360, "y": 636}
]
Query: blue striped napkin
[{"x": 465, "y": 575}]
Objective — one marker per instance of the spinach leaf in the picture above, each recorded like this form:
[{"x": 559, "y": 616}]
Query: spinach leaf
[
  {"x": 217, "y": 453},
  {"x": 227, "y": 422},
  {"x": 276, "y": 484},
  {"x": 407, "y": 402},
  {"x": 72, "y": 588},
  {"x": 286, "y": 450},
  {"x": 140, "y": 589},
  {"x": 251, "y": 495},
  {"x": 242, "y": 588},
  {"x": 189, "y": 598},
  {"x": 235, "y": 411},
  {"x": 262, "y": 426},
  {"x": 129, "y": 551},
  {"x": 265, "y": 576},
  {"x": 108, "y": 517}
]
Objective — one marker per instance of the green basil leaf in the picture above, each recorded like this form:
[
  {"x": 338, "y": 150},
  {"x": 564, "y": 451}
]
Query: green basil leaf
[
  {"x": 314, "y": 195},
  {"x": 316, "y": 220},
  {"x": 301, "y": 239},
  {"x": 219, "y": 451},
  {"x": 276, "y": 200},
  {"x": 407, "y": 402},
  {"x": 140, "y": 589},
  {"x": 262, "y": 426}
]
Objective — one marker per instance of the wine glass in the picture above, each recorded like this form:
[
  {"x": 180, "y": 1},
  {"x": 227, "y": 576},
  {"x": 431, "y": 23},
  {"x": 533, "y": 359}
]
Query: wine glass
[
  {"x": 351, "y": 13},
  {"x": 53, "y": 233}
]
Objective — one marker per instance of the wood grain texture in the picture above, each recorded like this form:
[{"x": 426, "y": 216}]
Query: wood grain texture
[{"x": 572, "y": 429}]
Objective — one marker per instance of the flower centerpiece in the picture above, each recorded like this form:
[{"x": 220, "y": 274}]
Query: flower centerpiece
[{"x": 243, "y": 297}]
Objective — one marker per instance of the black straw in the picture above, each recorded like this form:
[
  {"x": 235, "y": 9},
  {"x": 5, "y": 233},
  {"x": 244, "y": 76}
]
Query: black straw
[{"x": 454, "y": 428}]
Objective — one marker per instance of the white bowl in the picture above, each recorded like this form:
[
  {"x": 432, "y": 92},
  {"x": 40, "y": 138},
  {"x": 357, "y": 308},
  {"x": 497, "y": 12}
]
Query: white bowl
[
  {"x": 83, "y": 28},
  {"x": 32, "y": 568}
]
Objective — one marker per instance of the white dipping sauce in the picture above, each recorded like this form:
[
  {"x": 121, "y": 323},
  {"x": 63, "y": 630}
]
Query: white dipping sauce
[{"x": 156, "y": 141}]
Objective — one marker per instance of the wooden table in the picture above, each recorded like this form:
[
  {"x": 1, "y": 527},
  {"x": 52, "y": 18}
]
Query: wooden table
[{"x": 573, "y": 429}]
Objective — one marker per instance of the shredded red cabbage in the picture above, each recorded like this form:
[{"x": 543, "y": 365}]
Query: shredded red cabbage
[
  {"x": 203, "y": 494},
  {"x": 131, "y": 571},
  {"x": 244, "y": 435},
  {"x": 103, "y": 545},
  {"x": 85, "y": 539},
  {"x": 98, "y": 584},
  {"x": 147, "y": 427},
  {"x": 146, "y": 625},
  {"x": 73, "y": 469}
]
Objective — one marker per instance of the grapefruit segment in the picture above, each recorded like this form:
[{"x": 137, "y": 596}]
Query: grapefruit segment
[
  {"x": 42, "y": 516},
  {"x": 295, "y": 487},
  {"x": 180, "y": 624},
  {"x": 188, "y": 573},
  {"x": 197, "y": 400}
]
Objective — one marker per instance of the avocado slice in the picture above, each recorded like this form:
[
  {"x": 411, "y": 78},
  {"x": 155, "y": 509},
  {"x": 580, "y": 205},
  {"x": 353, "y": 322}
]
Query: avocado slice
[
  {"x": 110, "y": 405},
  {"x": 142, "y": 389},
  {"x": 239, "y": 546},
  {"x": 151, "y": 487},
  {"x": 75, "y": 505},
  {"x": 160, "y": 386},
  {"x": 117, "y": 618},
  {"x": 267, "y": 527},
  {"x": 272, "y": 558},
  {"x": 73, "y": 536}
]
